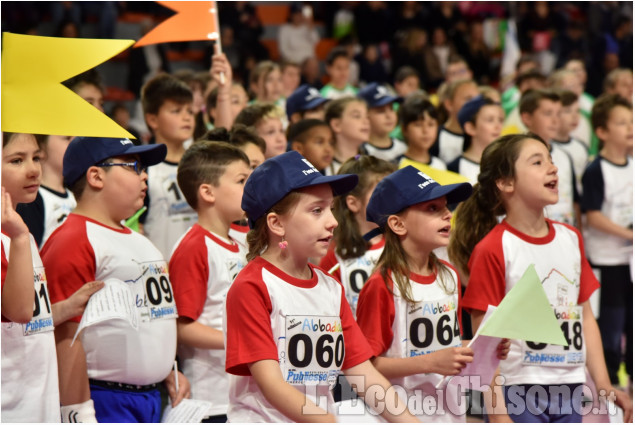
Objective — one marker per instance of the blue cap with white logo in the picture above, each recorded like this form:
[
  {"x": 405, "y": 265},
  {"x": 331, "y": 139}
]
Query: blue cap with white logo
[
  {"x": 409, "y": 186},
  {"x": 377, "y": 95},
  {"x": 84, "y": 152},
  {"x": 276, "y": 177},
  {"x": 304, "y": 98}
]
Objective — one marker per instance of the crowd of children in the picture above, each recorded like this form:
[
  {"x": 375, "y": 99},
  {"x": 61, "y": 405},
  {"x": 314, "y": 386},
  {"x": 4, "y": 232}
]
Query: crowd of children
[{"x": 362, "y": 181}]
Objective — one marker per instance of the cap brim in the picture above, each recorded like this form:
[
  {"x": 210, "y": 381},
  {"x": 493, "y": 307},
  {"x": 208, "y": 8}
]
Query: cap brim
[
  {"x": 454, "y": 193},
  {"x": 315, "y": 103},
  {"x": 387, "y": 100},
  {"x": 340, "y": 184},
  {"x": 149, "y": 154}
]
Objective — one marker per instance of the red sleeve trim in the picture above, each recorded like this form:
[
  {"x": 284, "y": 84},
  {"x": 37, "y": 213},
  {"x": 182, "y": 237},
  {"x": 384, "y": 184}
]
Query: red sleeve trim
[
  {"x": 376, "y": 313},
  {"x": 189, "y": 274}
]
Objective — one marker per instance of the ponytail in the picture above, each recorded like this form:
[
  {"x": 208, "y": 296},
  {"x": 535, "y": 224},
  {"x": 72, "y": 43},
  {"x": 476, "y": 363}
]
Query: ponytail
[{"x": 477, "y": 216}]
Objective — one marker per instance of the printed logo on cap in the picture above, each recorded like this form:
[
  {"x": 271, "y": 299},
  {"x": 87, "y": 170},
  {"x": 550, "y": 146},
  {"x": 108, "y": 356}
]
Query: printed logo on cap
[
  {"x": 381, "y": 92},
  {"x": 125, "y": 142},
  {"x": 313, "y": 94},
  {"x": 427, "y": 180},
  {"x": 311, "y": 169}
]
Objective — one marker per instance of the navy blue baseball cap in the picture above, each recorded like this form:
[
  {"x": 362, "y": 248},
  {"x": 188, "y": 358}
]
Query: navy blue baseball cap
[
  {"x": 276, "y": 177},
  {"x": 377, "y": 95},
  {"x": 84, "y": 152},
  {"x": 304, "y": 98},
  {"x": 405, "y": 187},
  {"x": 471, "y": 108}
]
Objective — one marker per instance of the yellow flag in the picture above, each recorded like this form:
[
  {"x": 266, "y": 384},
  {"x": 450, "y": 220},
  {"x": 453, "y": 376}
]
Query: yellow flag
[{"x": 33, "y": 98}]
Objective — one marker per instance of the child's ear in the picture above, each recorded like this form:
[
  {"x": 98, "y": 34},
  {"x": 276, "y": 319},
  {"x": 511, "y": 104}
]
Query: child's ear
[
  {"x": 525, "y": 117},
  {"x": 275, "y": 224},
  {"x": 336, "y": 125},
  {"x": 353, "y": 204},
  {"x": 396, "y": 224},
  {"x": 601, "y": 133},
  {"x": 95, "y": 177},
  {"x": 447, "y": 103},
  {"x": 206, "y": 193},
  {"x": 297, "y": 146},
  {"x": 505, "y": 185},
  {"x": 152, "y": 120},
  {"x": 470, "y": 129}
]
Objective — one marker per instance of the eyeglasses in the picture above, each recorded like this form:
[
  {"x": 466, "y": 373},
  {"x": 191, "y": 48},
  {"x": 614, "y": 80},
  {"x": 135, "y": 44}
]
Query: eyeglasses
[{"x": 135, "y": 165}]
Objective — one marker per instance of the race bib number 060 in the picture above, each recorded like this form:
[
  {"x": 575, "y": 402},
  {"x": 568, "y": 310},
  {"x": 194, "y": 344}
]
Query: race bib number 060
[{"x": 314, "y": 349}]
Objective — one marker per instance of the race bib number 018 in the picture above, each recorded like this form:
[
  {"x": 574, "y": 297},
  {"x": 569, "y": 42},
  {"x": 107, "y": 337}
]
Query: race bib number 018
[
  {"x": 314, "y": 349},
  {"x": 42, "y": 320},
  {"x": 159, "y": 298},
  {"x": 541, "y": 354},
  {"x": 432, "y": 326}
]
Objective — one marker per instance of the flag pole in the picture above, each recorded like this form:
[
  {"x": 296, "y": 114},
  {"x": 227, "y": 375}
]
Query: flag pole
[{"x": 219, "y": 46}]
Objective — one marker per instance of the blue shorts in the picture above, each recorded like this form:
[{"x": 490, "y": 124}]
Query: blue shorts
[
  {"x": 544, "y": 403},
  {"x": 114, "y": 405}
]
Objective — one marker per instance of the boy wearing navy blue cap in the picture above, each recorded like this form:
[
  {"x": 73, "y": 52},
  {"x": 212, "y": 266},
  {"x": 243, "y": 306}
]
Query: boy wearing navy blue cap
[
  {"x": 304, "y": 103},
  {"x": 115, "y": 365},
  {"x": 482, "y": 121},
  {"x": 282, "y": 313},
  {"x": 383, "y": 120}
]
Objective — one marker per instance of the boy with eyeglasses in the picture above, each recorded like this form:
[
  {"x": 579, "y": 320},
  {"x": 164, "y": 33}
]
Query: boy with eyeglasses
[{"x": 116, "y": 366}]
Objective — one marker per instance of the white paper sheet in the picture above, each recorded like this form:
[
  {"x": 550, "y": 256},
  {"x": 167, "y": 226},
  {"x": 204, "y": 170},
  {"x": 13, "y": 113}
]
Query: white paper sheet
[
  {"x": 187, "y": 411},
  {"x": 114, "y": 301}
]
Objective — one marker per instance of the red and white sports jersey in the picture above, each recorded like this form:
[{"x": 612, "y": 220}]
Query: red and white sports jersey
[
  {"x": 500, "y": 260},
  {"x": 84, "y": 250},
  {"x": 238, "y": 233},
  {"x": 169, "y": 215},
  {"x": 202, "y": 268},
  {"x": 353, "y": 272},
  {"x": 567, "y": 190},
  {"x": 304, "y": 325},
  {"x": 30, "y": 391},
  {"x": 397, "y": 328}
]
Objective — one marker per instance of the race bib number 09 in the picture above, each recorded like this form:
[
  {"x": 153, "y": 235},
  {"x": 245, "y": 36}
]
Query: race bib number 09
[
  {"x": 432, "y": 326},
  {"x": 314, "y": 349},
  {"x": 158, "y": 292},
  {"x": 541, "y": 354}
]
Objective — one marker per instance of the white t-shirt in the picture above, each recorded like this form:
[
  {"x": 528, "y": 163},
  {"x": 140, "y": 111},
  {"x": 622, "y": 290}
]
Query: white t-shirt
[
  {"x": 579, "y": 154},
  {"x": 391, "y": 153},
  {"x": 169, "y": 215},
  {"x": 270, "y": 315},
  {"x": 396, "y": 328},
  {"x": 83, "y": 250},
  {"x": 30, "y": 390},
  {"x": 353, "y": 272},
  {"x": 202, "y": 268},
  {"x": 449, "y": 145},
  {"x": 499, "y": 261},
  {"x": 467, "y": 168},
  {"x": 608, "y": 188}
]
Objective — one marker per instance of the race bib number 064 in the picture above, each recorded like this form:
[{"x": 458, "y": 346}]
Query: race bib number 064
[{"x": 314, "y": 349}]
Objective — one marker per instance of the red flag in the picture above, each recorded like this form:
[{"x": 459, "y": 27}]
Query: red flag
[{"x": 194, "y": 20}]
